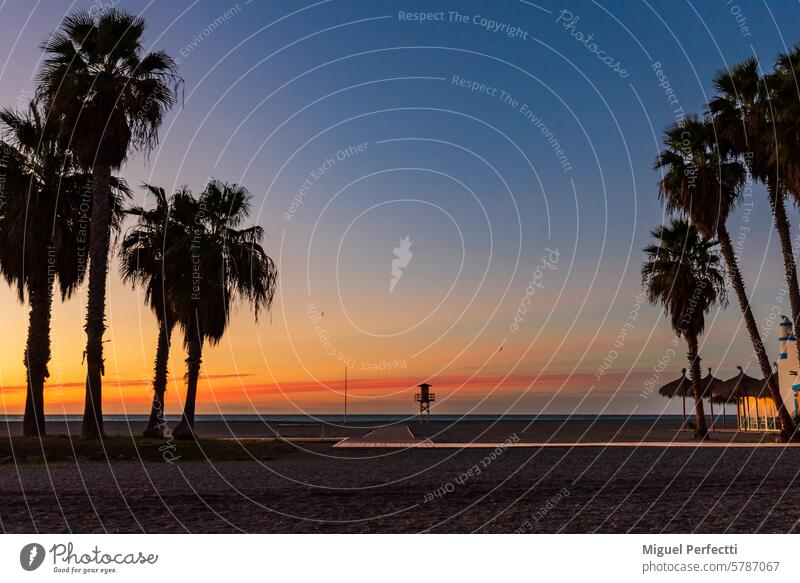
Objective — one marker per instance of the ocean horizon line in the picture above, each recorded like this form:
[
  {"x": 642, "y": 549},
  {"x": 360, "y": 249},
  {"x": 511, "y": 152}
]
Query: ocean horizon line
[{"x": 366, "y": 417}]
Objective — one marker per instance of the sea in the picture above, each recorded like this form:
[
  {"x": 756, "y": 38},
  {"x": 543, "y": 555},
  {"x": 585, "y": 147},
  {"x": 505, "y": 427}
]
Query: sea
[{"x": 367, "y": 418}]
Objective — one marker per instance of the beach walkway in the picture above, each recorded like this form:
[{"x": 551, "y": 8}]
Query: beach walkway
[
  {"x": 361, "y": 442},
  {"x": 391, "y": 436},
  {"x": 401, "y": 437}
]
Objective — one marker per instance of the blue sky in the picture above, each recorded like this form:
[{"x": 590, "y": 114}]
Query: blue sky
[{"x": 551, "y": 150}]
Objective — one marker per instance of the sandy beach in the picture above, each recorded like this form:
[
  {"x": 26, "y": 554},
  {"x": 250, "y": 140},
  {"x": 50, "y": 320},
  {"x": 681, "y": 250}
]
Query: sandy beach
[
  {"x": 464, "y": 430},
  {"x": 312, "y": 486}
]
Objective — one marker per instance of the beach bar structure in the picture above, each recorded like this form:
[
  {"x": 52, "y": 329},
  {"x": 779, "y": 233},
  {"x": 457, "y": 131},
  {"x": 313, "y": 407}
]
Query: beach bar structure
[
  {"x": 755, "y": 408},
  {"x": 424, "y": 398}
]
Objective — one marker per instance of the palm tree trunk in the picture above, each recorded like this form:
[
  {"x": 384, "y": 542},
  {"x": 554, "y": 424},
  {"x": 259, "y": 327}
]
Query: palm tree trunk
[
  {"x": 99, "y": 237},
  {"x": 156, "y": 424},
  {"x": 185, "y": 428},
  {"x": 701, "y": 431},
  {"x": 787, "y": 424},
  {"x": 37, "y": 355},
  {"x": 778, "y": 202}
]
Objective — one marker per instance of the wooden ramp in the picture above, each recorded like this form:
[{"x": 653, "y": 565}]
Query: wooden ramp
[{"x": 392, "y": 436}]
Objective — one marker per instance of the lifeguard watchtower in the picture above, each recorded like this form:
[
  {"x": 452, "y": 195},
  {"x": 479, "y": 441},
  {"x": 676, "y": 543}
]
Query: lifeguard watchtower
[{"x": 424, "y": 398}]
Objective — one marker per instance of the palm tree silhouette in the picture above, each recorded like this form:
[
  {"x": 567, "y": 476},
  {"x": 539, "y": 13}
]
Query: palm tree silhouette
[
  {"x": 42, "y": 224},
  {"x": 743, "y": 115},
  {"x": 146, "y": 255},
  {"x": 110, "y": 99},
  {"x": 682, "y": 273},
  {"x": 703, "y": 182},
  {"x": 217, "y": 262},
  {"x": 785, "y": 108}
]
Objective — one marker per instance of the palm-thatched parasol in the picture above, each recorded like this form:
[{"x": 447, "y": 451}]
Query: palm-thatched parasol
[
  {"x": 723, "y": 393},
  {"x": 680, "y": 387},
  {"x": 709, "y": 384},
  {"x": 743, "y": 385}
]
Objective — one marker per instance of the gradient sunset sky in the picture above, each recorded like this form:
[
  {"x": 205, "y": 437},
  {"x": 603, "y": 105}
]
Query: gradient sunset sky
[{"x": 365, "y": 119}]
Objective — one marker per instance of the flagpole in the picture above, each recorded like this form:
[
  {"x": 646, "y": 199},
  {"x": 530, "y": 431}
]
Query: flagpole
[{"x": 345, "y": 395}]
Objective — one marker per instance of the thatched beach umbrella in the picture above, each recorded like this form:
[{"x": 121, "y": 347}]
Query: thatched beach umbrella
[
  {"x": 710, "y": 383},
  {"x": 680, "y": 387},
  {"x": 724, "y": 393},
  {"x": 743, "y": 385}
]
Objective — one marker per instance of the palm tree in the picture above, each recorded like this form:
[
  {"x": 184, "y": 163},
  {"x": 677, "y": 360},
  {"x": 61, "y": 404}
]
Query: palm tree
[
  {"x": 43, "y": 219},
  {"x": 145, "y": 260},
  {"x": 784, "y": 85},
  {"x": 703, "y": 182},
  {"x": 217, "y": 263},
  {"x": 743, "y": 115},
  {"x": 110, "y": 99},
  {"x": 683, "y": 274}
]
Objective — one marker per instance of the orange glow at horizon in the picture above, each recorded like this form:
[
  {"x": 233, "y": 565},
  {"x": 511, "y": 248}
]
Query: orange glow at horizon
[{"x": 260, "y": 368}]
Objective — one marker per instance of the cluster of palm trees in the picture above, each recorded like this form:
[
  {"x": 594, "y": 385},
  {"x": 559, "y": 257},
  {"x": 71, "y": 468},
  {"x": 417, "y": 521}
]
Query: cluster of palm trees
[
  {"x": 99, "y": 99},
  {"x": 750, "y": 131},
  {"x": 193, "y": 259}
]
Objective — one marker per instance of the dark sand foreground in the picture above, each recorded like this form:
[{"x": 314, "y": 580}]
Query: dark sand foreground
[{"x": 314, "y": 487}]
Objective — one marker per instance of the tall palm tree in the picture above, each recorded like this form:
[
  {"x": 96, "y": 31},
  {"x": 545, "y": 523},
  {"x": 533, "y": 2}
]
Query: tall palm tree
[
  {"x": 703, "y": 182},
  {"x": 217, "y": 262},
  {"x": 111, "y": 100},
  {"x": 43, "y": 219},
  {"x": 145, "y": 259},
  {"x": 743, "y": 114},
  {"x": 683, "y": 274},
  {"x": 784, "y": 85}
]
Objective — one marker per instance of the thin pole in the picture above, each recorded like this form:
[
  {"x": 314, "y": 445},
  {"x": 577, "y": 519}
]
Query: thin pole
[
  {"x": 739, "y": 413},
  {"x": 684, "y": 409},
  {"x": 345, "y": 395},
  {"x": 712, "y": 412},
  {"x": 758, "y": 416}
]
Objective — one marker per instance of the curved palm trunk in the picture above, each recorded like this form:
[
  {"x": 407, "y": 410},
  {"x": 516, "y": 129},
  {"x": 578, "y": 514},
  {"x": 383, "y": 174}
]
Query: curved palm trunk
[
  {"x": 156, "y": 424},
  {"x": 787, "y": 424},
  {"x": 778, "y": 203},
  {"x": 95, "y": 317},
  {"x": 185, "y": 428},
  {"x": 701, "y": 431},
  {"x": 37, "y": 355}
]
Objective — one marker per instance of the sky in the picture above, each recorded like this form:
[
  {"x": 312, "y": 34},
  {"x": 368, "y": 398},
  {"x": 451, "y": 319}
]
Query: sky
[{"x": 499, "y": 153}]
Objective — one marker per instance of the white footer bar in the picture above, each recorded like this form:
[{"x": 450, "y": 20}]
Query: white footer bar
[{"x": 398, "y": 558}]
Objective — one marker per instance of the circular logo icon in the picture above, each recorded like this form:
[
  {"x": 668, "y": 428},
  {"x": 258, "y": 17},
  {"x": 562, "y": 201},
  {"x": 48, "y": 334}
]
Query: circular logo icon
[{"x": 31, "y": 556}]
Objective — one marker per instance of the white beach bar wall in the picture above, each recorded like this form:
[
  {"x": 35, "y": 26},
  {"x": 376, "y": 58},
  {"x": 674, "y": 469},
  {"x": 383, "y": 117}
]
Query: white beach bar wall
[{"x": 788, "y": 373}]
